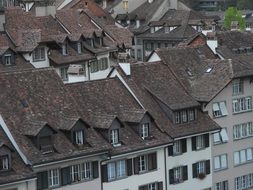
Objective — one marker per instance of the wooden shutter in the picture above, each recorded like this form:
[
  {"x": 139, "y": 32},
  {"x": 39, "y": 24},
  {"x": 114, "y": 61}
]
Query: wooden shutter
[
  {"x": 39, "y": 180},
  {"x": 184, "y": 145},
  {"x": 206, "y": 137},
  {"x": 152, "y": 161},
  {"x": 170, "y": 150},
  {"x": 129, "y": 167},
  {"x": 194, "y": 170},
  {"x": 171, "y": 176},
  {"x": 136, "y": 165},
  {"x": 144, "y": 187},
  {"x": 185, "y": 173},
  {"x": 207, "y": 166},
  {"x": 42, "y": 180},
  {"x": 95, "y": 169},
  {"x": 65, "y": 176},
  {"x": 160, "y": 185},
  {"x": 193, "y": 143},
  {"x": 104, "y": 173}
]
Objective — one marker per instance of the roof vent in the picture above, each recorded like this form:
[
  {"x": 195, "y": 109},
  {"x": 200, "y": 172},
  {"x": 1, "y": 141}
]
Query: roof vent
[
  {"x": 209, "y": 69},
  {"x": 24, "y": 103},
  {"x": 189, "y": 72}
]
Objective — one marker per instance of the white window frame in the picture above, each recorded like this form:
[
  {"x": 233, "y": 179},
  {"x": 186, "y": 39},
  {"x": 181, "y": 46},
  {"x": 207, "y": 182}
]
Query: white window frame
[
  {"x": 201, "y": 167},
  {"x": 116, "y": 170},
  {"x": 121, "y": 168},
  {"x": 237, "y": 86},
  {"x": 220, "y": 162},
  {"x": 142, "y": 163},
  {"x": 144, "y": 131},
  {"x": 114, "y": 136},
  {"x": 64, "y": 73},
  {"x": 242, "y": 105},
  {"x": 178, "y": 174},
  {"x": 79, "y": 137},
  {"x": 200, "y": 142},
  {"x": 244, "y": 182},
  {"x": 177, "y": 147},
  {"x": 39, "y": 54},
  {"x": 79, "y": 47},
  {"x": 219, "y": 109},
  {"x": 243, "y": 130},
  {"x": 7, "y": 59},
  {"x": 5, "y": 162},
  {"x": 243, "y": 156},
  {"x": 54, "y": 178},
  {"x": 223, "y": 185},
  {"x": 86, "y": 171}
]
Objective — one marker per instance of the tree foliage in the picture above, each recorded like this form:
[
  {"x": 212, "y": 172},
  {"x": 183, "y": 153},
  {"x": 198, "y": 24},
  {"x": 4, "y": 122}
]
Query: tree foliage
[{"x": 232, "y": 14}]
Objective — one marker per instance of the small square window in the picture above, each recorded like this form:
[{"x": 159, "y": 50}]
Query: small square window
[
  {"x": 114, "y": 136},
  {"x": 4, "y": 163},
  {"x": 79, "y": 137}
]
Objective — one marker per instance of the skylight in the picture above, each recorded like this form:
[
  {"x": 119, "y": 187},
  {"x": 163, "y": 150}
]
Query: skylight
[{"x": 209, "y": 69}]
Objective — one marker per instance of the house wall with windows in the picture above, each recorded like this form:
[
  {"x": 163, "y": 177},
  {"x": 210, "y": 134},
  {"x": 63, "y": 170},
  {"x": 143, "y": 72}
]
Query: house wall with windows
[
  {"x": 137, "y": 181},
  {"x": 188, "y": 156},
  {"x": 23, "y": 185},
  {"x": 41, "y": 62},
  {"x": 232, "y": 149},
  {"x": 71, "y": 174}
]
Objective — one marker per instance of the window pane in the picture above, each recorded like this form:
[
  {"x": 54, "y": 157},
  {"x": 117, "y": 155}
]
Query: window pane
[
  {"x": 224, "y": 161},
  {"x": 217, "y": 162},
  {"x": 236, "y": 158},
  {"x": 249, "y": 154}
]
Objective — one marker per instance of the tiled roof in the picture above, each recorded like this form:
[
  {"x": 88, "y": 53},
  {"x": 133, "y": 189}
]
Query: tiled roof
[
  {"x": 109, "y": 97},
  {"x": 39, "y": 95},
  {"x": 32, "y": 31},
  {"x": 160, "y": 85},
  {"x": 19, "y": 171},
  {"x": 190, "y": 66}
]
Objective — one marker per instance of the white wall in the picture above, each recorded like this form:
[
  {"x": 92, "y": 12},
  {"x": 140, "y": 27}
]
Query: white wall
[
  {"x": 101, "y": 74},
  {"x": 37, "y": 64},
  {"x": 213, "y": 44},
  {"x": 134, "y": 181},
  {"x": 189, "y": 158},
  {"x": 25, "y": 185},
  {"x": 154, "y": 57}
]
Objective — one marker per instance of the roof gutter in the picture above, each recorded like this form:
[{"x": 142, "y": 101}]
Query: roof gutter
[{"x": 20, "y": 181}]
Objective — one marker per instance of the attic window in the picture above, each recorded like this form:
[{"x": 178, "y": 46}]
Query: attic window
[
  {"x": 114, "y": 137},
  {"x": 209, "y": 69},
  {"x": 64, "y": 49},
  {"x": 7, "y": 59},
  {"x": 4, "y": 163},
  {"x": 79, "y": 47},
  {"x": 189, "y": 72},
  {"x": 79, "y": 137},
  {"x": 24, "y": 103},
  {"x": 144, "y": 130}
]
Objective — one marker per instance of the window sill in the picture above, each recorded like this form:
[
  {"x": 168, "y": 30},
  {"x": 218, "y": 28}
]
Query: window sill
[
  {"x": 221, "y": 143},
  {"x": 178, "y": 182},
  {"x": 220, "y": 169},
  {"x": 243, "y": 138},
  {"x": 235, "y": 113},
  {"x": 245, "y": 163},
  {"x": 147, "y": 171},
  {"x": 39, "y": 60},
  {"x": 221, "y": 116},
  {"x": 117, "y": 179}
]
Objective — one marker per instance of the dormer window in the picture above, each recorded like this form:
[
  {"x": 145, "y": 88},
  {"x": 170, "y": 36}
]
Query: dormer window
[
  {"x": 39, "y": 54},
  {"x": 79, "y": 137},
  {"x": 114, "y": 137},
  {"x": 144, "y": 130},
  {"x": 185, "y": 116},
  {"x": 79, "y": 47},
  {"x": 4, "y": 163},
  {"x": 64, "y": 49},
  {"x": 7, "y": 59},
  {"x": 167, "y": 29},
  {"x": 45, "y": 144}
]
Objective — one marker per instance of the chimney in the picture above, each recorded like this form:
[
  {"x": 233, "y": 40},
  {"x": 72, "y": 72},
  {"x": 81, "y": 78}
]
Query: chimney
[
  {"x": 104, "y": 4},
  {"x": 2, "y": 22}
]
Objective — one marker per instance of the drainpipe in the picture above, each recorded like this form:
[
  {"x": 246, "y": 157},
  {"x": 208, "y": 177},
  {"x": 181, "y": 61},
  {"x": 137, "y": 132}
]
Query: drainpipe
[
  {"x": 165, "y": 163},
  {"x": 88, "y": 70},
  {"x": 108, "y": 158}
]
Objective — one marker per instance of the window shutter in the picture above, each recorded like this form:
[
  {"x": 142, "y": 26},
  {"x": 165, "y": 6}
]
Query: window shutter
[
  {"x": 65, "y": 176},
  {"x": 95, "y": 169},
  {"x": 193, "y": 143},
  {"x": 207, "y": 166},
  {"x": 184, "y": 145},
  {"x": 74, "y": 137},
  {"x": 129, "y": 167},
  {"x": 104, "y": 173},
  {"x": 170, "y": 150},
  {"x": 194, "y": 170},
  {"x": 160, "y": 185},
  {"x": 206, "y": 136},
  {"x": 144, "y": 187},
  {"x": 42, "y": 181},
  {"x": 185, "y": 173},
  {"x": 171, "y": 176},
  {"x": 152, "y": 161},
  {"x": 136, "y": 163}
]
